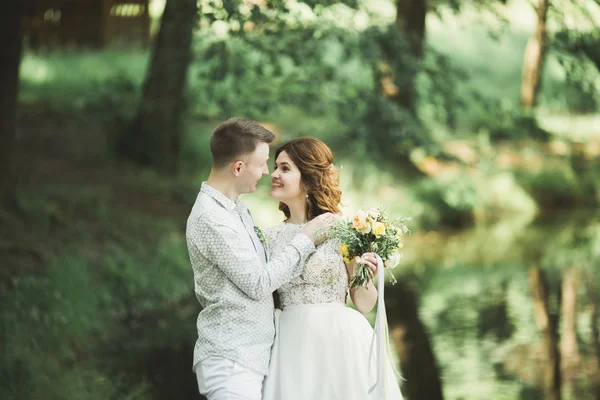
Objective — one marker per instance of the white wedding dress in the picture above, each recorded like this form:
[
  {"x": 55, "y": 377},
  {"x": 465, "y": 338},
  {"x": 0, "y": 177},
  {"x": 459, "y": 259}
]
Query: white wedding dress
[{"x": 321, "y": 349}]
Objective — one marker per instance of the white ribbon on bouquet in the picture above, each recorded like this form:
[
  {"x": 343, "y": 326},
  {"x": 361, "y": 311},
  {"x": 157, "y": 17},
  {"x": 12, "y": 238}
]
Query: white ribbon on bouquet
[{"x": 381, "y": 333}]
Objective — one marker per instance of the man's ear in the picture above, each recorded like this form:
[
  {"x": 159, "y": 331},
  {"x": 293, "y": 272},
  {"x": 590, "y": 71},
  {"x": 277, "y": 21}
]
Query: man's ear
[{"x": 237, "y": 167}]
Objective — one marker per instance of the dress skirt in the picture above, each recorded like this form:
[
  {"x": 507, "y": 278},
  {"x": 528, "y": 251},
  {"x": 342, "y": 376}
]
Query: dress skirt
[{"x": 321, "y": 352}]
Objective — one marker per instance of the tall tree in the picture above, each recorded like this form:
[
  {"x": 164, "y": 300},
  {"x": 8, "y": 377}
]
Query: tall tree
[
  {"x": 11, "y": 38},
  {"x": 534, "y": 57},
  {"x": 410, "y": 22},
  {"x": 155, "y": 137},
  {"x": 412, "y": 343}
]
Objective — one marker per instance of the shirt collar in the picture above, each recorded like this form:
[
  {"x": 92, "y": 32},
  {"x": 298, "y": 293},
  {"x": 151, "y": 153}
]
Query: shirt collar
[{"x": 219, "y": 197}]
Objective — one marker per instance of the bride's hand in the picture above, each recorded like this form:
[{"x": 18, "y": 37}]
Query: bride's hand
[{"x": 370, "y": 260}]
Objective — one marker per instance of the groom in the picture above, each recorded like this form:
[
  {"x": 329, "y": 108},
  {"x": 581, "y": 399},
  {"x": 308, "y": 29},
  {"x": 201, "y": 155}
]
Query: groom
[{"x": 233, "y": 279}]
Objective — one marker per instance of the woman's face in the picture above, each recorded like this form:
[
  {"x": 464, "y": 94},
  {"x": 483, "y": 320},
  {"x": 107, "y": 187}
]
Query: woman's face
[{"x": 286, "y": 180}]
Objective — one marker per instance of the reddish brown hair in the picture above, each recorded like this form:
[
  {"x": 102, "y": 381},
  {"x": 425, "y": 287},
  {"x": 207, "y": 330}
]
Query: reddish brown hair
[{"x": 319, "y": 176}]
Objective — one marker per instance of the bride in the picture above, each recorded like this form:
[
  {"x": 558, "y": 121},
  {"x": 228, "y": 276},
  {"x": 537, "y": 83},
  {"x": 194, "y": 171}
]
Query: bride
[{"x": 322, "y": 348}]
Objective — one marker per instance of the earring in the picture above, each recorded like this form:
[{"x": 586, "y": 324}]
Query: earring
[{"x": 307, "y": 195}]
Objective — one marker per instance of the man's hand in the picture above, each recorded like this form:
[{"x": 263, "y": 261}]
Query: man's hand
[{"x": 318, "y": 228}]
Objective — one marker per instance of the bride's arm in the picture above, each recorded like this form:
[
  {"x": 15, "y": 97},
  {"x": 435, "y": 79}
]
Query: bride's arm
[{"x": 364, "y": 298}]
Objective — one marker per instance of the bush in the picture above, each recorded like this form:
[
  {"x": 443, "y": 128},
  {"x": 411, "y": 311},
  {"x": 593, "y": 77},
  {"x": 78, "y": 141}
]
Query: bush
[
  {"x": 503, "y": 121},
  {"x": 454, "y": 199},
  {"x": 558, "y": 187}
]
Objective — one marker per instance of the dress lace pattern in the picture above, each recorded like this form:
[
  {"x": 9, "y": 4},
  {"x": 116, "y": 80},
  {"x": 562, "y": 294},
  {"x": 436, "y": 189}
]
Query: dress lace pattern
[{"x": 324, "y": 279}]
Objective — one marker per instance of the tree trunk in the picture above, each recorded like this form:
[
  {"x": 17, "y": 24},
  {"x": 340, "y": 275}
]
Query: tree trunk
[
  {"x": 570, "y": 357},
  {"x": 11, "y": 38},
  {"x": 410, "y": 21},
  {"x": 417, "y": 360},
  {"x": 155, "y": 137},
  {"x": 534, "y": 58},
  {"x": 548, "y": 325},
  {"x": 595, "y": 333}
]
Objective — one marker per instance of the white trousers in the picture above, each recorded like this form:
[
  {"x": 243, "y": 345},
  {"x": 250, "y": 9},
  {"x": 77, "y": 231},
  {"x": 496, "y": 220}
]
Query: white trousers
[{"x": 220, "y": 378}]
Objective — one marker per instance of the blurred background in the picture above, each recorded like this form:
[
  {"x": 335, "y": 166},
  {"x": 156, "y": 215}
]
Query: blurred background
[{"x": 479, "y": 119}]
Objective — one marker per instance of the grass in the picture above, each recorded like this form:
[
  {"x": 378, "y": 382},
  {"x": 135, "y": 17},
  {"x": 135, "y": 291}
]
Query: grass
[
  {"x": 73, "y": 78},
  {"x": 91, "y": 264}
]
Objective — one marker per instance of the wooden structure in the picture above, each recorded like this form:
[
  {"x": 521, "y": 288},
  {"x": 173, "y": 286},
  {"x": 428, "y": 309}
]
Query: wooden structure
[{"x": 87, "y": 23}]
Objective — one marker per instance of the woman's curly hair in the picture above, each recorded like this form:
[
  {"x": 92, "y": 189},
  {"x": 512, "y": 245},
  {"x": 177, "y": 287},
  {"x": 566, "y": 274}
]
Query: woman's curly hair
[{"x": 319, "y": 176}]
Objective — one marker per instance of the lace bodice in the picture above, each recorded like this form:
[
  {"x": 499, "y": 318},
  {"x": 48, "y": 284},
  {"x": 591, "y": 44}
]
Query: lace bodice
[{"x": 324, "y": 279}]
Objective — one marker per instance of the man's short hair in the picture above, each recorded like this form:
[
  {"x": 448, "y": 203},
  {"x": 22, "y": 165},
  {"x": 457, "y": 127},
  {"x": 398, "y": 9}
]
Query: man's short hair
[{"x": 236, "y": 137}]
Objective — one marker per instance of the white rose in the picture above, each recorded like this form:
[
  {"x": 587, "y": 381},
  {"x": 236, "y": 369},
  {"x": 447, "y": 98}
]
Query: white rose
[
  {"x": 373, "y": 213},
  {"x": 393, "y": 260}
]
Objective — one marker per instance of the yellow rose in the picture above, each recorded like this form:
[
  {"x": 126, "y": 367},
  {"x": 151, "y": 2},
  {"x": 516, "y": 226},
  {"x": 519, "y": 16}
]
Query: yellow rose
[
  {"x": 360, "y": 222},
  {"x": 344, "y": 250},
  {"x": 346, "y": 260},
  {"x": 378, "y": 228}
]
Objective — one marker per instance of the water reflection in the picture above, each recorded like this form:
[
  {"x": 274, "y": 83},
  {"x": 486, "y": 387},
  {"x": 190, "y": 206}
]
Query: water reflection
[{"x": 495, "y": 301}]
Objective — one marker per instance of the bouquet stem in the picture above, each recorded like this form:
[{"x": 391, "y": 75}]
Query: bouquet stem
[{"x": 361, "y": 277}]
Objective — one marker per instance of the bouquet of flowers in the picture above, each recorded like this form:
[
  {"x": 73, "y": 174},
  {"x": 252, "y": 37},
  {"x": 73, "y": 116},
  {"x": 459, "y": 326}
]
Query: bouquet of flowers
[{"x": 370, "y": 231}]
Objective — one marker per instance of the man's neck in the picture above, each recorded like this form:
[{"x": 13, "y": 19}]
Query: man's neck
[{"x": 221, "y": 183}]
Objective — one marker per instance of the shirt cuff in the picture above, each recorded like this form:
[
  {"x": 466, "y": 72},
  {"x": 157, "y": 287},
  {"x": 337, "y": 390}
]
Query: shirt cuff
[{"x": 303, "y": 244}]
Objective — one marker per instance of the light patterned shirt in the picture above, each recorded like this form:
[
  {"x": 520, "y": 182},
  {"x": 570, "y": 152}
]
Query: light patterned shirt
[{"x": 233, "y": 283}]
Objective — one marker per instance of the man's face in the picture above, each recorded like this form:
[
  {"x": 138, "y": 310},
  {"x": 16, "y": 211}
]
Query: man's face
[{"x": 254, "y": 167}]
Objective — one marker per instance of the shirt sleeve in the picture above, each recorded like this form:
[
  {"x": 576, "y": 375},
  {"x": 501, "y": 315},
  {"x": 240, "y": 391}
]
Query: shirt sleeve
[
  {"x": 271, "y": 236},
  {"x": 225, "y": 246}
]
